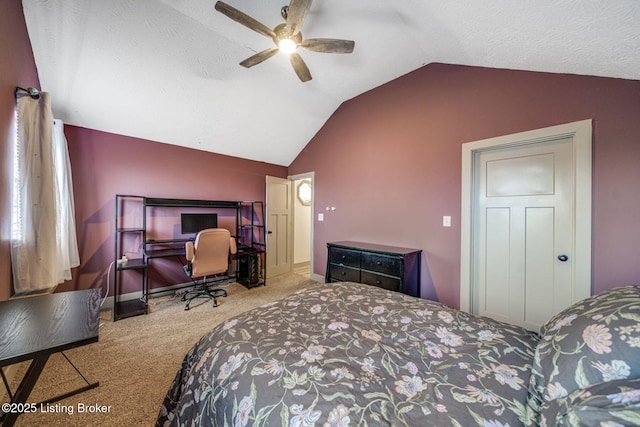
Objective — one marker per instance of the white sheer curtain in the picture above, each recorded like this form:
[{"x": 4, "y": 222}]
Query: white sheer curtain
[
  {"x": 44, "y": 246},
  {"x": 67, "y": 250}
]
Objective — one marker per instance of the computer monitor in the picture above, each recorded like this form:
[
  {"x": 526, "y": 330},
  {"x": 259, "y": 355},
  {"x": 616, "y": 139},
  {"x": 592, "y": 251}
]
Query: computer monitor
[{"x": 193, "y": 223}]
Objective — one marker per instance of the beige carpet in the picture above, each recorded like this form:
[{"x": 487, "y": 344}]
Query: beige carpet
[{"x": 137, "y": 358}]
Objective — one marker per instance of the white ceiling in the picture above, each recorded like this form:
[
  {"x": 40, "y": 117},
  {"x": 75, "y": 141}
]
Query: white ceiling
[{"x": 167, "y": 70}]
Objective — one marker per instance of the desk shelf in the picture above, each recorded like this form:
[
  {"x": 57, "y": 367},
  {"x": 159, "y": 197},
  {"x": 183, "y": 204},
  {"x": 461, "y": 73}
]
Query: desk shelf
[
  {"x": 132, "y": 264},
  {"x": 129, "y": 308},
  {"x": 163, "y": 253}
]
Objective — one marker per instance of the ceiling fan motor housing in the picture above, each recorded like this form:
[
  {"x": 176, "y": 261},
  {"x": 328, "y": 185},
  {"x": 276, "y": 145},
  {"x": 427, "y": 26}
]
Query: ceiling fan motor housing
[{"x": 282, "y": 34}]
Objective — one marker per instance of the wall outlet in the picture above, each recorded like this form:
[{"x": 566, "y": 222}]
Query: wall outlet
[{"x": 320, "y": 217}]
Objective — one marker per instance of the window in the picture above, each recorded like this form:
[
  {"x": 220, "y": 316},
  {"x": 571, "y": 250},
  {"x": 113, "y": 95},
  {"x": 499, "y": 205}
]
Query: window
[
  {"x": 303, "y": 192},
  {"x": 16, "y": 208}
]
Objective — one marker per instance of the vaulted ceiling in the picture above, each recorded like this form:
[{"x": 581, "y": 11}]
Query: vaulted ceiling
[{"x": 167, "y": 70}]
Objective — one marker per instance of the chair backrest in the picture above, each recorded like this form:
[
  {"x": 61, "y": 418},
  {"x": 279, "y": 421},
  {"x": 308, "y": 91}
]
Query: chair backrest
[{"x": 211, "y": 252}]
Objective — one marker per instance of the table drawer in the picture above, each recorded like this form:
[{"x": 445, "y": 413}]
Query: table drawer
[
  {"x": 382, "y": 264},
  {"x": 344, "y": 257},
  {"x": 380, "y": 280},
  {"x": 344, "y": 274}
]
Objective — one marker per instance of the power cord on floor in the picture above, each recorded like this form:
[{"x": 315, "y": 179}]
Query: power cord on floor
[{"x": 106, "y": 294}]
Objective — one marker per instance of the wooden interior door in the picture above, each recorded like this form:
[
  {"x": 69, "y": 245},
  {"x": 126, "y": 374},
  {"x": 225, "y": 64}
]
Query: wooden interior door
[{"x": 279, "y": 226}]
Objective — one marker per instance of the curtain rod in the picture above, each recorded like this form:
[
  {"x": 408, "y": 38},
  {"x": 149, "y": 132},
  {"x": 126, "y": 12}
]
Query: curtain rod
[{"x": 32, "y": 92}]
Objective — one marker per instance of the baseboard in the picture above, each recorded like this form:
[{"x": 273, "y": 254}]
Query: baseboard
[
  {"x": 157, "y": 292},
  {"x": 317, "y": 277}
]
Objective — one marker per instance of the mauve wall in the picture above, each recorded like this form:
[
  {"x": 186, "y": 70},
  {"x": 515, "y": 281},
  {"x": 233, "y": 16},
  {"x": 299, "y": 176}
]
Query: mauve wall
[
  {"x": 390, "y": 162},
  {"x": 17, "y": 68},
  {"x": 105, "y": 164}
]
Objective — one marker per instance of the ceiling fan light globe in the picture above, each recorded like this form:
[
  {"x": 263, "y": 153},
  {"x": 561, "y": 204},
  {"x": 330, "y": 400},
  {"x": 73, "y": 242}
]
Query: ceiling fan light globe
[{"x": 287, "y": 46}]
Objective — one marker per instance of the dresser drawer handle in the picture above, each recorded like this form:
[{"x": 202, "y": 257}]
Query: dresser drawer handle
[
  {"x": 344, "y": 257},
  {"x": 343, "y": 273},
  {"x": 379, "y": 263},
  {"x": 378, "y": 282}
]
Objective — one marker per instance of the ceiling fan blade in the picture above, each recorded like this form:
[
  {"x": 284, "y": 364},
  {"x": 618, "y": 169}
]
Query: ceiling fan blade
[
  {"x": 300, "y": 67},
  {"x": 295, "y": 18},
  {"x": 329, "y": 45},
  {"x": 259, "y": 57},
  {"x": 244, "y": 19}
]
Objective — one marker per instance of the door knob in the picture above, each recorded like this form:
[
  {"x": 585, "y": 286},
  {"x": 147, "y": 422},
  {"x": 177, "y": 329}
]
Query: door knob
[{"x": 563, "y": 257}]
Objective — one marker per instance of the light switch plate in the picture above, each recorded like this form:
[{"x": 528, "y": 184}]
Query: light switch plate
[
  {"x": 320, "y": 217},
  {"x": 446, "y": 221}
]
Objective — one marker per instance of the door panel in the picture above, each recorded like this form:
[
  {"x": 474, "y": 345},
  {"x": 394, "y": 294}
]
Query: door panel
[
  {"x": 495, "y": 297},
  {"x": 279, "y": 226},
  {"x": 539, "y": 258},
  {"x": 520, "y": 176}
]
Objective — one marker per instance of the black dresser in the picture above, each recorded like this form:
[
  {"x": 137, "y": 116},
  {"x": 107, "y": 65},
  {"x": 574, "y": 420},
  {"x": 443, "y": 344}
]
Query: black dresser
[{"x": 389, "y": 267}]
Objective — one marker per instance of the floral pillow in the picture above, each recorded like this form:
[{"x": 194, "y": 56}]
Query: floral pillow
[
  {"x": 595, "y": 340},
  {"x": 611, "y": 404}
]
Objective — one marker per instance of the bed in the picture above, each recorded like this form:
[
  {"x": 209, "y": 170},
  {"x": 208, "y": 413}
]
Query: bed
[{"x": 343, "y": 354}]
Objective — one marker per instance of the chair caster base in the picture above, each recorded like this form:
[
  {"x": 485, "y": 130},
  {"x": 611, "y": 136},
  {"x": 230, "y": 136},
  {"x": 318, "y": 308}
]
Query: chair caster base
[{"x": 213, "y": 294}]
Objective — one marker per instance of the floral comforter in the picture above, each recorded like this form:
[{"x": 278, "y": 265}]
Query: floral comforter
[{"x": 344, "y": 354}]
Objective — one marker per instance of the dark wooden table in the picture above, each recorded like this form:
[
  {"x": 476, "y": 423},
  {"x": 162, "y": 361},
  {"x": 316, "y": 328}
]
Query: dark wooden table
[{"x": 37, "y": 327}]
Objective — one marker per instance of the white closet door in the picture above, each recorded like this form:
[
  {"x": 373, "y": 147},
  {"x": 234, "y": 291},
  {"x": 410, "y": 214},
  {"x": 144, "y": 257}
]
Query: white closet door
[{"x": 525, "y": 223}]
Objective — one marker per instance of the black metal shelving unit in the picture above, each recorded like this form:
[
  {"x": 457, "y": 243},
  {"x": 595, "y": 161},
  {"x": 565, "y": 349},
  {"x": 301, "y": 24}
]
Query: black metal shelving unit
[
  {"x": 129, "y": 224},
  {"x": 252, "y": 245},
  {"x": 250, "y": 236}
]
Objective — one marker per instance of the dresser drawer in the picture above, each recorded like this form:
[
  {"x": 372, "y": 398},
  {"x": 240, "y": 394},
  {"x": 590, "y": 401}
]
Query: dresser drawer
[
  {"x": 344, "y": 257},
  {"x": 382, "y": 264},
  {"x": 344, "y": 274},
  {"x": 380, "y": 280}
]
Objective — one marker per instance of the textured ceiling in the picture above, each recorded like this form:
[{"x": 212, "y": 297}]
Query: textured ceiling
[{"x": 167, "y": 70}]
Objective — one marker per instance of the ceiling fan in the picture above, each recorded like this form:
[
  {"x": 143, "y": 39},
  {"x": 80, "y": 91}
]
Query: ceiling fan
[{"x": 287, "y": 36}]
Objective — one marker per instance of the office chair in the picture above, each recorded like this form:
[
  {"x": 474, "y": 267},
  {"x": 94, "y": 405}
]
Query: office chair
[{"x": 208, "y": 256}]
